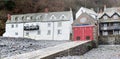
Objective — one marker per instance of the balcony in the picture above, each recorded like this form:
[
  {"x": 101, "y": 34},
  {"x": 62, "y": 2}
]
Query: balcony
[
  {"x": 110, "y": 28},
  {"x": 32, "y": 27},
  {"x": 109, "y": 20}
]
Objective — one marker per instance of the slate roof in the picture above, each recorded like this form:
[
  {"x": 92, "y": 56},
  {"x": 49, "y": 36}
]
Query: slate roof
[
  {"x": 36, "y": 17},
  {"x": 86, "y": 10},
  {"x": 110, "y": 12}
]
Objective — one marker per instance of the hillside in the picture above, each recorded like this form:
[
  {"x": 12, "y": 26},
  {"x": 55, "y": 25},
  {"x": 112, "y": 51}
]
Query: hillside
[{"x": 34, "y": 6}]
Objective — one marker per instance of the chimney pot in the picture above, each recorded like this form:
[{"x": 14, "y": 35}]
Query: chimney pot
[{"x": 46, "y": 10}]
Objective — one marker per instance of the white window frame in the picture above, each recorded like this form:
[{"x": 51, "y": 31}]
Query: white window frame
[
  {"x": 12, "y": 26},
  {"x": 116, "y": 32},
  {"x": 16, "y": 33},
  {"x": 49, "y": 24},
  {"x": 27, "y": 33},
  {"x": 39, "y": 32},
  {"x": 104, "y": 33},
  {"x": 59, "y": 31},
  {"x": 105, "y": 17},
  {"x": 49, "y": 32},
  {"x": 115, "y": 17}
]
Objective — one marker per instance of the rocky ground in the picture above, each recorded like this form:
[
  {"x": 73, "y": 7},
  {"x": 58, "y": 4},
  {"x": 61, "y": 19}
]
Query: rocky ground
[
  {"x": 102, "y": 52},
  {"x": 14, "y": 46}
]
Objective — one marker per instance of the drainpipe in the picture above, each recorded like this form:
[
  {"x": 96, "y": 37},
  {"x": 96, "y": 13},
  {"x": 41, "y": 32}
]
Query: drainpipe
[{"x": 53, "y": 31}]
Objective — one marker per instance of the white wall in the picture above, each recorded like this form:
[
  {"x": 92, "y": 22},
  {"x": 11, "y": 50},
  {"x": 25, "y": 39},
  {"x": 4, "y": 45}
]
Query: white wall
[
  {"x": 10, "y": 32},
  {"x": 43, "y": 28},
  {"x": 65, "y": 31}
]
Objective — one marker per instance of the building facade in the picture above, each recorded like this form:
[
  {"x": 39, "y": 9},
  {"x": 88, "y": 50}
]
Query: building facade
[
  {"x": 85, "y": 28},
  {"x": 90, "y": 12},
  {"x": 109, "y": 26},
  {"x": 40, "y": 26}
]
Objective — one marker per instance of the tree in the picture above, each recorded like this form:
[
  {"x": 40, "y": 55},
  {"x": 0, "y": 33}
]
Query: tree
[{"x": 9, "y": 4}]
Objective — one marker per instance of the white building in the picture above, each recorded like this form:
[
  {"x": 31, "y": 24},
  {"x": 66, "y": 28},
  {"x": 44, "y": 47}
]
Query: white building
[
  {"x": 90, "y": 12},
  {"x": 40, "y": 26}
]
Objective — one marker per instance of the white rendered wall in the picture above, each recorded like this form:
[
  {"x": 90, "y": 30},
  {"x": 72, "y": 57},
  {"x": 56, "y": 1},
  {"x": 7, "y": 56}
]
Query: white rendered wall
[
  {"x": 65, "y": 31},
  {"x": 43, "y": 28},
  {"x": 11, "y": 32}
]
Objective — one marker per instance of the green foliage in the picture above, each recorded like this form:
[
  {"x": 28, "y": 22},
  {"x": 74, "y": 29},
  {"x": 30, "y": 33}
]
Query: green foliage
[{"x": 9, "y": 5}]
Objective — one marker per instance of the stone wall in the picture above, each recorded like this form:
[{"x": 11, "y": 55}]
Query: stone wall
[
  {"x": 78, "y": 50},
  {"x": 113, "y": 39},
  {"x": 70, "y": 48}
]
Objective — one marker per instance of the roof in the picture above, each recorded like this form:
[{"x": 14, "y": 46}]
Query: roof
[
  {"x": 35, "y": 17},
  {"x": 86, "y": 10},
  {"x": 110, "y": 12}
]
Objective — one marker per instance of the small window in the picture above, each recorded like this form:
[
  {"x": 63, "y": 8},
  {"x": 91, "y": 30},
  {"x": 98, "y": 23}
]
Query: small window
[
  {"x": 87, "y": 37},
  {"x": 39, "y": 32},
  {"x": 63, "y": 17},
  {"x": 49, "y": 24},
  {"x": 22, "y": 17},
  {"x": 16, "y": 33},
  {"x": 78, "y": 38},
  {"x": 105, "y": 25},
  {"x": 104, "y": 33},
  {"x": 115, "y": 17},
  {"x": 12, "y": 26},
  {"x": 28, "y": 18},
  {"x": 52, "y": 17},
  {"x": 59, "y": 24},
  {"x": 16, "y": 18},
  {"x": 49, "y": 32},
  {"x": 116, "y": 32},
  {"x": 59, "y": 31},
  {"x": 16, "y": 25},
  {"x": 105, "y": 17},
  {"x": 27, "y": 33}
]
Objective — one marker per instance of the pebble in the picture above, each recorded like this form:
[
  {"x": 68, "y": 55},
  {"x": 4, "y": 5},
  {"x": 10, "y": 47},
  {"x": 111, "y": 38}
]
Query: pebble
[{"x": 15, "y": 46}]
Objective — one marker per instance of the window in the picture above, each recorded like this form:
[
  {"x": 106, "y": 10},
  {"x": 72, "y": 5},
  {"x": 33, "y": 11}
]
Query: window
[
  {"x": 22, "y": 17},
  {"x": 87, "y": 37},
  {"x": 39, "y": 32},
  {"x": 105, "y": 33},
  {"x": 59, "y": 31},
  {"x": 116, "y": 32},
  {"x": 52, "y": 17},
  {"x": 59, "y": 24},
  {"x": 16, "y": 25},
  {"x": 78, "y": 38},
  {"x": 115, "y": 24},
  {"x": 28, "y": 18},
  {"x": 105, "y": 25},
  {"x": 115, "y": 17},
  {"x": 49, "y": 24},
  {"x": 105, "y": 17},
  {"x": 16, "y": 18},
  {"x": 16, "y": 33},
  {"x": 49, "y": 32},
  {"x": 63, "y": 17},
  {"x": 12, "y": 26},
  {"x": 27, "y": 33}
]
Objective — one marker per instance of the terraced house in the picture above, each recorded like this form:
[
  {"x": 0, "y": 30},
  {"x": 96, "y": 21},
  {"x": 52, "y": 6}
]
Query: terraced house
[
  {"x": 109, "y": 24},
  {"x": 40, "y": 26}
]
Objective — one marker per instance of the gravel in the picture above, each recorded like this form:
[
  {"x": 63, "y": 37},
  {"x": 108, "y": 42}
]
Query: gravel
[
  {"x": 102, "y": 52},
  {"x": 15, "y": 46}
]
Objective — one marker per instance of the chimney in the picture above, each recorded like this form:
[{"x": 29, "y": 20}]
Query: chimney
[
  {"x": 100, "y": 11},
  {"x": 9, "y": 16},
  {"x": 46, "y": 10},
  {"x": 105, "y": 7}
]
